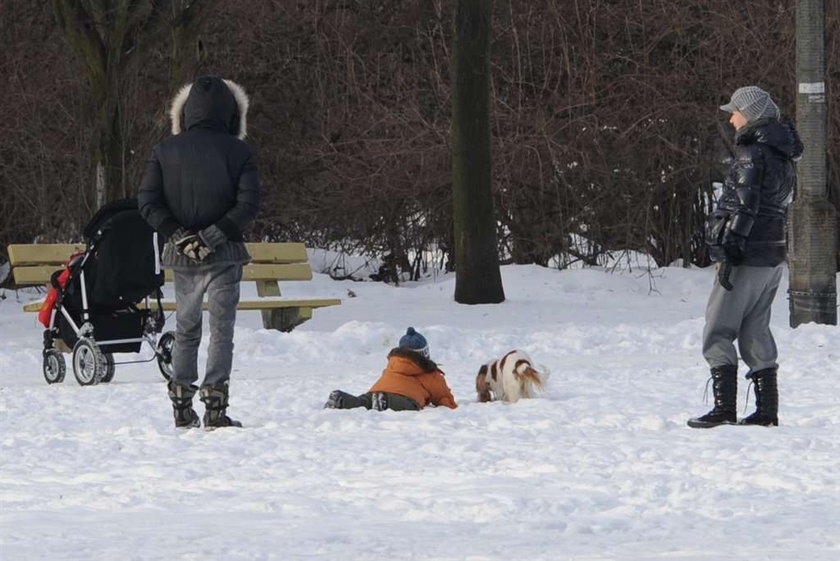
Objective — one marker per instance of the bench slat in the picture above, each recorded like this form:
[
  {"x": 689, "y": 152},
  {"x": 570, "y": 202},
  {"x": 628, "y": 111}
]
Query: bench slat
[
  {"x": 266, "y": 272},
  {"x": 169, "y": 305},
  {"x": 39, "y": 254},
  {"x": 47, "y": 254},
  {"x": 40, "y": 274},
  {"x": 288, "y": 272},
  {"x": 31, "y": 274},
  {"x": 286, "y": 252}
]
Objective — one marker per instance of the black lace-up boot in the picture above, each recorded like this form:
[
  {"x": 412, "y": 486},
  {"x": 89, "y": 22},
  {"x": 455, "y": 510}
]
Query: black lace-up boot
[
  {"x": 725, "y": 388},
  {"x": 766, "y": 399},
  {"x": 182, "y": 396},
  {"x": 343, "y": 400},
  {"x": 215, "y": 400}
]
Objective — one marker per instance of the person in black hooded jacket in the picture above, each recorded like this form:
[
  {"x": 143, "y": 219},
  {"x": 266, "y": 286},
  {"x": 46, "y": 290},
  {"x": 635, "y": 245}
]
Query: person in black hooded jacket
[
  {"x": 746, "y": 236},
  {"x": 200, "y": 191}
]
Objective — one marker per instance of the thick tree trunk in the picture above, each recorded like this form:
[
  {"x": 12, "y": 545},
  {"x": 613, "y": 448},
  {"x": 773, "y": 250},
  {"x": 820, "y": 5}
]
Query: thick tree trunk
[
  {"x": 187, "y": 22},
  {"x": 478, "y": 279},
  {"x": 109, "y": 148},
  {"x": 813, "y": 239},
  {"x": 106, "y": 36},
  {"x": 105, "y": 54}
]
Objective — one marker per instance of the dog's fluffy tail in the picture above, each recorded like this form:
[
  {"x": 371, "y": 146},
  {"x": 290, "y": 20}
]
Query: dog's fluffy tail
[{"x": 527, "y": 373}]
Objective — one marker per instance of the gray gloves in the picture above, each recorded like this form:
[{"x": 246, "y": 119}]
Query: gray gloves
[
  {"x": 190, "y": 245},
  {"x": 197, "y": 250}
]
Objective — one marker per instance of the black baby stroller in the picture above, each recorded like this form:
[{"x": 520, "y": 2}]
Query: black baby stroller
[{"x": 94, "y": 301}]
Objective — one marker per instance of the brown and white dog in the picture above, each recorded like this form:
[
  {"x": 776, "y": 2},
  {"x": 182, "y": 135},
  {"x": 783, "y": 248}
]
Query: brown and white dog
[{"x": 510, "y": 378}]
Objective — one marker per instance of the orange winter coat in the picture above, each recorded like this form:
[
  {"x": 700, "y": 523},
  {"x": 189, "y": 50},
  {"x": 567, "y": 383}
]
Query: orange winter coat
[{"x": 412, "y": 375}]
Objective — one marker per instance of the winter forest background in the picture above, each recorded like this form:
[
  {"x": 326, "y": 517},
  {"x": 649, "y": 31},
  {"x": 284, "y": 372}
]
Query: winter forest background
[{"x": 606, "y": 132}]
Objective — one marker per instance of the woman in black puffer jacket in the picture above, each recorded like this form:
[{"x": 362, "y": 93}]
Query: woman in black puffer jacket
[{"x": 746, "y": 235}]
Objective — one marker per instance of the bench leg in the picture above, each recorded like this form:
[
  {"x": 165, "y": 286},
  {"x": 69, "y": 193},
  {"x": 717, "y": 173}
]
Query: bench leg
[
  {"x": 282, "y": 319},
  {"x": 285, "y": 319}
]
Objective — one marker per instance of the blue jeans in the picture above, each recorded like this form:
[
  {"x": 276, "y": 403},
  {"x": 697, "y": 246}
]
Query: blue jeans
[{"x": 221, "y": 284}]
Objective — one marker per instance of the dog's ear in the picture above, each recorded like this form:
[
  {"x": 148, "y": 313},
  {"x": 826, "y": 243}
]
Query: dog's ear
[{"x": 481, "y": 387}]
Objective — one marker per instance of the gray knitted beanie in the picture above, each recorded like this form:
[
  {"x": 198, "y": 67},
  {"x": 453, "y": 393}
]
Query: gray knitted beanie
[{"x": 753, "y": 103}]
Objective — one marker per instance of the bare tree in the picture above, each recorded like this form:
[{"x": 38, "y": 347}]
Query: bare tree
[
  {"x": 478, "y": 279},
  {"x": 108, "y": 36},
  {"x": 186, "y": 20}
]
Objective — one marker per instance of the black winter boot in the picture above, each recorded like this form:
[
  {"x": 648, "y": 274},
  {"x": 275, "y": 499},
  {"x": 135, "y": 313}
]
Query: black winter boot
[
  {"x": 766, "y": 399},
  {"x": 343, "y": 400},
  {"x": 725, "y": 388},
  {"x": 181, "y": 396},
  {"x": 215, "y": 400}
]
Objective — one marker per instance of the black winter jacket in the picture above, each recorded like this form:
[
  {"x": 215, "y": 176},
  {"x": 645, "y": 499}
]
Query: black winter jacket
[
  {"x": 756, "y": 193},
  {"x": 206, "y": 177}
]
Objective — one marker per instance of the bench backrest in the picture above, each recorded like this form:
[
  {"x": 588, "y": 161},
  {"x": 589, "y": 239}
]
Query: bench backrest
[{"x": 32, "y": 264}]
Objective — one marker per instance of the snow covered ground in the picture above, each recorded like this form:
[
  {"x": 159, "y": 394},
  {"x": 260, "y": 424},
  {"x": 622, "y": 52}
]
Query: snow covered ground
[{"x": 602, "y": 467}]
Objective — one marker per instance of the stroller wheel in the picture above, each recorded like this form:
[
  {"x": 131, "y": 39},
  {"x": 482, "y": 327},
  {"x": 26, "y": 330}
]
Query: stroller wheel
[
  {"x": 54, "y": 367},
  {"x": 109, "y": 368},
  {"x": 164, "y": 354},
  {"x": 89, "y": 364}
]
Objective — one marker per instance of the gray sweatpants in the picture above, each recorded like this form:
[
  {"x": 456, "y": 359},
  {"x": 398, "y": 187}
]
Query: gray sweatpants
[
  {"x": 221, "y": 284},
  {"x": 743, "y": 314}
]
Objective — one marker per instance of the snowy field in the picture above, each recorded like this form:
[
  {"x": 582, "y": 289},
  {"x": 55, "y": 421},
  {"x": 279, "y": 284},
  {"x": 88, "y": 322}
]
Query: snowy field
[{"x": 602, "y": 467}]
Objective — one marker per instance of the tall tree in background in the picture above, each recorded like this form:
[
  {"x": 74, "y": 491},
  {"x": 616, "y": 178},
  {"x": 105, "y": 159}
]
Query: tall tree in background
[
  {"x": 478, "y": 279},
  {"x": 107, "y": 36},
  {"x": 187, "y": 19},
  {"x": 813, "y": 256}
]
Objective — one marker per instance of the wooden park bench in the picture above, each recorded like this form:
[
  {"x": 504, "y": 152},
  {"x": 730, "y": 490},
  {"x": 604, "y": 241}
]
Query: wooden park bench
[{"x": 33, "y": 264}]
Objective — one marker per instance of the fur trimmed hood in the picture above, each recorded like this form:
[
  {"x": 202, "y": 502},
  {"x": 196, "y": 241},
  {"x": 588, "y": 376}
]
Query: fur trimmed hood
[{"x": 210, "y": 103}]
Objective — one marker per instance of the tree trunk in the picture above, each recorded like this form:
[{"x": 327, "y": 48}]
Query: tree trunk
[
  {"x": 813, "y": 256},
  {"x": 105, "y": 54},
  {"x": 106, "y": 36},
  {"x": 478, "y": 279},
  {"x": 187, "y": 23},
  {"x": 109, "y": 146}
]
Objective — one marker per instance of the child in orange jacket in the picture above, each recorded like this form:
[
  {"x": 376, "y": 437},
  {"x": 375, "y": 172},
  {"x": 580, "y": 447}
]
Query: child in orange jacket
[{"x": 410, "y": 381}]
